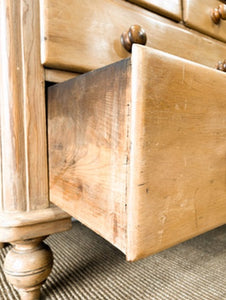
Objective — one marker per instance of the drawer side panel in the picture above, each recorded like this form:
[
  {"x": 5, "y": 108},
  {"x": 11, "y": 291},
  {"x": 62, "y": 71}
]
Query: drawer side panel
[{"x": 88, "y": 151}]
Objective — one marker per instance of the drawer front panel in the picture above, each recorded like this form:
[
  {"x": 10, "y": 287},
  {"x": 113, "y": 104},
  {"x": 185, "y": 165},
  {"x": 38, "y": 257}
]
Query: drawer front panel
[
  {"x": 177, "y": 187},
  {"x": 171, "y": 9},
  {"x": 85, "y": 35},
  {"x": 197, "y": 15}
]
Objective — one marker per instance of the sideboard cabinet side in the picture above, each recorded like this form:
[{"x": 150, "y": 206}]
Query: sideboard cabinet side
[{"x": 23, "y": 127}]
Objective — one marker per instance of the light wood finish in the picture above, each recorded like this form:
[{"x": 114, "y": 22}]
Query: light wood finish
[
  {"x": 33, "y": 217},
  {"x": 24, "y": 184},
  {"x": 94, "y": 124},
  {"x": 197, "y": 15},
  {"x": 27, "y": 265},
  {"x": 171, "y": 9},
  {"x": 75, "y": 38},
  {"x": 26, "y": 225},
  {"x": 25, "y": 210},
  {"x": 58, "y": 75},
  {"x": 22, "y": 101},
  {"x": 139, "y": 156},
  {"x": 177, "y": 185},
  {"x": 13, "y": 234}
]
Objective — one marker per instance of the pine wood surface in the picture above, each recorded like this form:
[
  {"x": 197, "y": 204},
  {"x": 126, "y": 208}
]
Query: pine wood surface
[
  {"x": 141, "y": 161},
  {"x": 27, "y": 265},
  {"x": 33, "y": 217},
  {"x": 24, "y": 202},
  {"x": 52, "y": 75},
  {"x": 197, "y": 15},
  {"x": 87, "y": 178},
  {"x": 23, "y": 127},
  {"x": 177, "y": 171},
  {"x": 83, "y": 35},
  {"x": 26, "y": 232},
  {"x": 171, "y": 9}
]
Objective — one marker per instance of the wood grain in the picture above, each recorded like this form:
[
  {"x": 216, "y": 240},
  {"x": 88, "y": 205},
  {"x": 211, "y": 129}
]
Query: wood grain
[
  {"x": 138, "y": 153},
  {"x": 75, "y": 38},
  {"x": 22, "y": 102},
  {"x": 171, "y": 9},
  {"x": 198, "y": 16},
  {"x": 177, "y": 169},
  {"x": 88, "y": 156}
]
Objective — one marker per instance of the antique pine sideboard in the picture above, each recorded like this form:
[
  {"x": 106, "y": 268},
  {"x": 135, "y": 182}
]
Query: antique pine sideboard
[{"x": 134, "y": 149}]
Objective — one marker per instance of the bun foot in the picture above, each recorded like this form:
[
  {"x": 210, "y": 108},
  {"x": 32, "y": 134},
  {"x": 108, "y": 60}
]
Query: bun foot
[{"x": 27, "y": 265}]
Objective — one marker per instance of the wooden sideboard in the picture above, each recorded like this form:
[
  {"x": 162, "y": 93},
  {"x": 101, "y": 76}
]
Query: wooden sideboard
[{"x": 136, "y": 148}]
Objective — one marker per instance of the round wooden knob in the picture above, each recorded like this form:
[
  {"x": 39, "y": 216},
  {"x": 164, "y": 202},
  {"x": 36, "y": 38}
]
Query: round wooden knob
[
  {"x": 221, "y": 65},
  {"x": 135, "y": 35},
  {"x": 219, "y": 13}
]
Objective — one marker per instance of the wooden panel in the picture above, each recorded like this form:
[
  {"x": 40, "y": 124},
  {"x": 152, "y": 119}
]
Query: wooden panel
[
  {"x": 58, "y": 75},
  {"x": 140, "y": 158},
  {"x": 22, "y": 102},
  {"x": 88, "y": 151},
  {"x": 177, "y": 182},
  {"x": 171, "y": 9},
  {"x": 85, "y": 35},
  {"x": 197, "y": 15}
]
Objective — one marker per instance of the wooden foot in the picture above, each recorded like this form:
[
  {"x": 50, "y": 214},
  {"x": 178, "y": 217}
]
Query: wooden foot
[{"x": 27, "y": 265}]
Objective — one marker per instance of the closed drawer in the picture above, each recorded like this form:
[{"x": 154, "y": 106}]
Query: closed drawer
[
  {"x": 85, "y": 35},
  {"x": 197, "y": 15},
  {"x": 171, "y": 9},
  {"x": 137, "y": 150}
]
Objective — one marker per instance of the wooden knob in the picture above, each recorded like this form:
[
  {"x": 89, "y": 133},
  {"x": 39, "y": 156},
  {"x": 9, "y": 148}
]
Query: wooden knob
[
  {"x": 219, "y": 13},
  {"x": 135, "y": 35},
  {"x": 221, "y": 65}
]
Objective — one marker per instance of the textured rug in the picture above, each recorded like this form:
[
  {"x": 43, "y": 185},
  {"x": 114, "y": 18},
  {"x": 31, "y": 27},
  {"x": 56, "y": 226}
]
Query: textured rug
[{"x": 88, "y": 267}]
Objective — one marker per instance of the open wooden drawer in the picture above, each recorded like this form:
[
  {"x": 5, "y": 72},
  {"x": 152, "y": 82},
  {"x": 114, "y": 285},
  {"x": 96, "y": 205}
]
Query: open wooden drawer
[{"x": 137, "y": 150}]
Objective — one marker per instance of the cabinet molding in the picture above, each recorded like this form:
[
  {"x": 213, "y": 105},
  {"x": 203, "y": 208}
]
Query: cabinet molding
[{"x": 23, "y": 121}]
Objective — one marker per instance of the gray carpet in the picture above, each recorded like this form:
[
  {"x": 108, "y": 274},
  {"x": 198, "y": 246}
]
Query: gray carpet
[{"x": 88, "y": 267}]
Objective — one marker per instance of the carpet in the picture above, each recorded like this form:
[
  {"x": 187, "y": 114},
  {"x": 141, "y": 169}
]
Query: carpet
[{"x": 88, "y": 267}]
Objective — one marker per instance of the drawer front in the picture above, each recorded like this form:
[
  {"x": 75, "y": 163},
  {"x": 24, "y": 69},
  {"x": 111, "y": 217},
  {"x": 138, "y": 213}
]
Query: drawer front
[
  {"x": 171, "y": 9},
  {"x": 197, "y": 15},
  {"x": 137, "y": 150},
  {"x": 177, "y": 186},
  {"x": 85, "y": 35}
]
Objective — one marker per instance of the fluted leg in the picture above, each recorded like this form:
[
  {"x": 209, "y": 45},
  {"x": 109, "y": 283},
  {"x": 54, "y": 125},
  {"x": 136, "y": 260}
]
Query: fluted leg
[{"x": 27, "y": 265}]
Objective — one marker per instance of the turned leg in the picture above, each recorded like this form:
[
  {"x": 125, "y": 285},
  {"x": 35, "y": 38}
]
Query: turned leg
[{"x": 27, "y": 265}]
